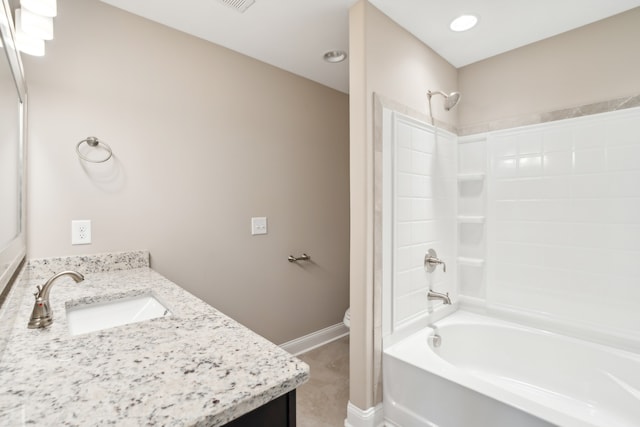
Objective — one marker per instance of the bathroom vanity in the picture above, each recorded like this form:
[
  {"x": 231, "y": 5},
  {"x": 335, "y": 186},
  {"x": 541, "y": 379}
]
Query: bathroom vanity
[{"x": 192, "y": 366}]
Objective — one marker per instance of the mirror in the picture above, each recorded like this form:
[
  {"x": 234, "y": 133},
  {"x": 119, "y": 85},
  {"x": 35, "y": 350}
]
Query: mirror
[{"x": 12, "y": 107}]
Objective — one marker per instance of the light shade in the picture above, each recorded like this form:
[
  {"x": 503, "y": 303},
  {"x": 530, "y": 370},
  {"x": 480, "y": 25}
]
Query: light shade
[
  {"x": 463, "y": 23},
  {"x": 47, "y": 8},
  {"x": 35, "y": 25},
  {"x": 25, "y": 42}
]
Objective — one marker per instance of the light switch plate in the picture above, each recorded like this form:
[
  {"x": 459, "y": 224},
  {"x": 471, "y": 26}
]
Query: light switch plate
[
  {"x": 81, "y": 232},
  {"x": 259, "y": 225}
]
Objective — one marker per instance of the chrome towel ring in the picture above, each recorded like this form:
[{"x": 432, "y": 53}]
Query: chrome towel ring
[{"x": 92, "y": 141}]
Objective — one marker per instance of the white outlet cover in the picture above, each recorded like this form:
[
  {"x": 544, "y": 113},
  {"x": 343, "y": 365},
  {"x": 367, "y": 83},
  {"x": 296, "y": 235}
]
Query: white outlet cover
[
  {"x": 81, "y": 232},
  {"x": 258, "y": 225}
]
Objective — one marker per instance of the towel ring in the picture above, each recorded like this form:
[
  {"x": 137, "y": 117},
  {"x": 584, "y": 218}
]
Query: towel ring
[{"x": 92, "y": 141}]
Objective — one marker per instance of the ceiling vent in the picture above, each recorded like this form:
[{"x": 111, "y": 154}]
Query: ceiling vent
[{"x": 239, "y": 5}]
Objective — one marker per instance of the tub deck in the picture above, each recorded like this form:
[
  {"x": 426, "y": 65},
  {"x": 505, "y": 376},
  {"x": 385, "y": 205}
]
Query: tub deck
[{"x": 508, "y": 375}]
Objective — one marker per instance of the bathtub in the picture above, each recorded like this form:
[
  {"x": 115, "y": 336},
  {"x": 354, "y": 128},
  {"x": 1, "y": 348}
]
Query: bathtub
[{"x": 492, "y": 373}]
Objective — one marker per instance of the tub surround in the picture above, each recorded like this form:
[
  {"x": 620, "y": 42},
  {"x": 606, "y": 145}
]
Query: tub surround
[
  {"x": 540, "y": 202},
  {"x": 195, "y": 367}
]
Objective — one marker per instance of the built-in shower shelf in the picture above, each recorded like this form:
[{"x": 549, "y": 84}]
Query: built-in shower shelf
[
  {"x": 471, "y": 219},
  {"x": 472, "y": 262},
  {"x": 465, "y": 177}
]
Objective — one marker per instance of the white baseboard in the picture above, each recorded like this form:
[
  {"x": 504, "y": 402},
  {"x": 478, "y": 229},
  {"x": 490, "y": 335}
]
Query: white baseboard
[
  {"x": 315, "y": 339},
  {"x": 372, "y": 417}
]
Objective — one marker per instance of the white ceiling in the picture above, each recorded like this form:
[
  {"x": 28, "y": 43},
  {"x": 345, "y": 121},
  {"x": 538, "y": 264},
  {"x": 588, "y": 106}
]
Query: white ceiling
[{"x": 294, "y": 34}]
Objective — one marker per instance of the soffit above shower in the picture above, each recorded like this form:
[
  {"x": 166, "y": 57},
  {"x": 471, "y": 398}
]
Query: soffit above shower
[{"x": 294, "y": 34}]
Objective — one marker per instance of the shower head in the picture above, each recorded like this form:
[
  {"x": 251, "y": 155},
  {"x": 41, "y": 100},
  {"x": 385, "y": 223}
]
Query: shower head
[{"x": 450, "y": 100}]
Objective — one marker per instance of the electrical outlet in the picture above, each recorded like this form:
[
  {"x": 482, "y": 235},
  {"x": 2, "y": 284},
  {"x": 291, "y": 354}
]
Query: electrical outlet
[
  {"x": 81, "y": 232},
  {"x": 259, "y": 225}
]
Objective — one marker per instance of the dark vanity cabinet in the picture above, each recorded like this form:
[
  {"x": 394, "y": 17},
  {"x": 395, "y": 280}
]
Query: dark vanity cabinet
[{"x": 280, "y": 412}]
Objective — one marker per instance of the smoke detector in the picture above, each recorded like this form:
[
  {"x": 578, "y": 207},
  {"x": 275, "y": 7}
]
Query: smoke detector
[{"x": 239, "y": 5}]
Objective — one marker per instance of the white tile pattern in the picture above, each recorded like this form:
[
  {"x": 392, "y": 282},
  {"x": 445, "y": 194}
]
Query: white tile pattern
[
  {"x": 424, "y": 215},
  {"x": 564, "y": 221}
]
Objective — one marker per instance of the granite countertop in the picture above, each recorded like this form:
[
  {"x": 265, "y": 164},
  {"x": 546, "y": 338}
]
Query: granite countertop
[{"x": 195, "y": 367}]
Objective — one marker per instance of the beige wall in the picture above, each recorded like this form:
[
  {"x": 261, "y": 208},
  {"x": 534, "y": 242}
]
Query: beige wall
[
  {"x": 386, "y": 60},
  {"x": 204, "y": 139},
  {"x": 594, "y": 63}
]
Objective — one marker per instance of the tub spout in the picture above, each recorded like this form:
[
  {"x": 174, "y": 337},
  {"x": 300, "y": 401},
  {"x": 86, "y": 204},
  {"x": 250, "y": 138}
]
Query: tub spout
[{"x": 439, "y": 296}]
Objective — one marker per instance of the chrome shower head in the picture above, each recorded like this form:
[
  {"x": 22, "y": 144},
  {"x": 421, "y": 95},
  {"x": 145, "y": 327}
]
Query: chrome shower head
[{"x": 450, "y": 101}]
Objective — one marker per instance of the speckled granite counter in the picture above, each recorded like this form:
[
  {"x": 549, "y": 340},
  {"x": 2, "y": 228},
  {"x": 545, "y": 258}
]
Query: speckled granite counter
[{"x": 196, "y": 367}]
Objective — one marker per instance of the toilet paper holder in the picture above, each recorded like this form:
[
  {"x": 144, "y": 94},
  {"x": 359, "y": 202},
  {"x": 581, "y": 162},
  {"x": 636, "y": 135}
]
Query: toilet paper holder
[{"x": 304, "y": 257}]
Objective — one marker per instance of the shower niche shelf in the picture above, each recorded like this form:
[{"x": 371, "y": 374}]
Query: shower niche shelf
[
  {"x": 471, "y": 262},
  {"x": 469, "y": 177},
  {"x": 473, "y": 179},
  {"x": 471, "y": 219}
]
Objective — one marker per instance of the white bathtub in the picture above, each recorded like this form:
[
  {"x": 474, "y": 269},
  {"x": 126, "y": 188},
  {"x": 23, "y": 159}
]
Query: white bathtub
[{"x": 492, "y": 373}]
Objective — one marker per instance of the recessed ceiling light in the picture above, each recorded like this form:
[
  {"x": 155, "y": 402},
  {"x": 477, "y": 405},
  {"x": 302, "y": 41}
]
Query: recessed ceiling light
[
  {"x": 334, "y": 56},
  {"x": 463, "y": 23}
]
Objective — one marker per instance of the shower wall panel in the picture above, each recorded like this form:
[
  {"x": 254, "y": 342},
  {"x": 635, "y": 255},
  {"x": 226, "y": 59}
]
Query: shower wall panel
[
  {"x": 564, "y": 222},
  {"x": 424, "y": 212}
]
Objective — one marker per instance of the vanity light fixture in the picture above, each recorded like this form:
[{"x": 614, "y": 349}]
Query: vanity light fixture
[
  {"x": 34, "y": 25},
  {"x": 48, "y": 8},
  {"x": 463, "y": 23},
  {"x": 25, "y": 42},
  {"x": 38, "y": 26}
]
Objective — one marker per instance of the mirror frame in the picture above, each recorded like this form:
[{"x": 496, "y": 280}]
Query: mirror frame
[{"x": 13, "y": 254}]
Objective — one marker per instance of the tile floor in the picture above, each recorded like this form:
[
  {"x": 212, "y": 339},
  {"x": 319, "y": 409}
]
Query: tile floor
[{"x": 322, "y": 401}]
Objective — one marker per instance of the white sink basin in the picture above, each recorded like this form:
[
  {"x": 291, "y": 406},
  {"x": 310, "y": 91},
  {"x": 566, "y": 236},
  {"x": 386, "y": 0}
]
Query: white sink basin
[{"x": 103, "y": 315}]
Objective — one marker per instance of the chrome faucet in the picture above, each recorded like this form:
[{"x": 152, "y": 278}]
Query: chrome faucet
[
  {"x": 41, "y": 316},
  {"x": 439, "y": 296}
]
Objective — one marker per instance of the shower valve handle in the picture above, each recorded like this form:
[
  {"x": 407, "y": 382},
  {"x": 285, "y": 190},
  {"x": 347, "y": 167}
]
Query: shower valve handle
[{"x": 431, "y": 261}]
